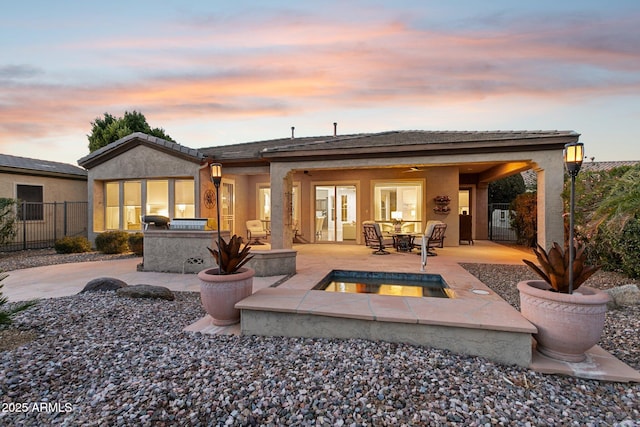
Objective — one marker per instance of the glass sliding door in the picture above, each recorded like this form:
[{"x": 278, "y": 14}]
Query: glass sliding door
[{"x": 335, "y": 213}]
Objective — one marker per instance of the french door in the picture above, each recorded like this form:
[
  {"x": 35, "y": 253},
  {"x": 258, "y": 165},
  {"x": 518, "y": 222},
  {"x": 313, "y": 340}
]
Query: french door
[
  {"x": 227, "y": 206},
  {"x": 335, "y": 213}
]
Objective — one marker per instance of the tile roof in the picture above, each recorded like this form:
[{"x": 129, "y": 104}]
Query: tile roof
[
  {"x": 408, "y": 138},
  {"x": 17, "y": 164},
  {"x": 593, "y": 166},
  {"x": 530, "y": 177},
  {"x": 104, "y": 152}
]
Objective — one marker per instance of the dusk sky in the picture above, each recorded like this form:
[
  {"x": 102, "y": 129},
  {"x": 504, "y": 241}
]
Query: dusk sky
[{"x": 214, "y": 73}]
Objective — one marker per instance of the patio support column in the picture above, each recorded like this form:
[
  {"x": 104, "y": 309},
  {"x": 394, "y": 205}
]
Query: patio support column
[
  {"x": 550, "y": 208},
  {"x": 481, "y": 212},
  {"x": 281, "y": 206}
]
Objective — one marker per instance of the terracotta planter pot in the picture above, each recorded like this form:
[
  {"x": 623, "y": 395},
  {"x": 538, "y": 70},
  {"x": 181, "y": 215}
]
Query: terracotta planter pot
[
  {"x": 568, "y": 324},
  {"x": 219, "y": 293}
]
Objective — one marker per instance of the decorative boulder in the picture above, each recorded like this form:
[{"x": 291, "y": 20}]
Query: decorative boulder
[
  {"x": 146, "y": 291},
  {"x": 104, "y": 284},
  {"x": 623, "y": 296}
]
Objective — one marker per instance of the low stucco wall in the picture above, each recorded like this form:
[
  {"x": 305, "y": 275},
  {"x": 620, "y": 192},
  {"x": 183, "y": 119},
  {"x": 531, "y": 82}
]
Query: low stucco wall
[
  {"x": 179, "y": 251},
  {"x": 274, "y": 262}
]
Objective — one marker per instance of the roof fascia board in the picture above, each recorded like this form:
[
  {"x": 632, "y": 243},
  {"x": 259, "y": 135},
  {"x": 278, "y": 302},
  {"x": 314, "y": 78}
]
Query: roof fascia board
[
  {"x": 466, "y": 147},
  {"x": 134, "y": 142},
  {"x": 35, "y": 172}
]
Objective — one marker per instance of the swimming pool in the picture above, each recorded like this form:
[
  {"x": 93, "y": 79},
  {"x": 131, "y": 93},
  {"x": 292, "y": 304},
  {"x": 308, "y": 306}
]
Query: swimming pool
[{"x": 384, "y": 283}]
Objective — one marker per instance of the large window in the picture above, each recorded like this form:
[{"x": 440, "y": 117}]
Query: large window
[
  {"x": 185, "y": 206},
  {"x": 158, "y": 198},
  {"x": 398, "y": 200},
  {"x": 127, "y": 201},
  {"x": 30, "y": 198},
  {"x": 112, "y": 190},
  {"x": 264, "y": 205},
  {"x": 132, "y": 205}
]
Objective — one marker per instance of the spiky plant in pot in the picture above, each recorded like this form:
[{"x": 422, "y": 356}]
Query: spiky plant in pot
[
  {"x": 568, "y": 323},
  {"x": 230, "y": 256},
  {"x": 221, "y": 288},
  {"x": 554, "y": 267}
]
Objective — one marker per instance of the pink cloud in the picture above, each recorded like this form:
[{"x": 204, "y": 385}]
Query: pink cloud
[{"x": 249, "y": 68}]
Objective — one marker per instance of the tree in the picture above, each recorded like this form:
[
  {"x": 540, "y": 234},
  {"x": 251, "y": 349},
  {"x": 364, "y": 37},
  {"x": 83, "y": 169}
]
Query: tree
[
  {"x": 106, "y": 130},
  {"x": 525, "y": 218},
  {"x": 608, "y": 217},
  {"x": 507, "y": 189}
]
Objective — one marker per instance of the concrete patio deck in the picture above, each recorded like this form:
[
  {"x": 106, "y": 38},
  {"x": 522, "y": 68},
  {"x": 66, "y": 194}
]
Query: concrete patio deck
[{"x": 293, "y": 297}]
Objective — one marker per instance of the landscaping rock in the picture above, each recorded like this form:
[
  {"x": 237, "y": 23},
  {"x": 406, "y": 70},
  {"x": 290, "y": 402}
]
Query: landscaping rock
[
  {"x": 104, "y": 284},
  {"x": 623, "y": 296},
  {"x": 146, "y": 291}
]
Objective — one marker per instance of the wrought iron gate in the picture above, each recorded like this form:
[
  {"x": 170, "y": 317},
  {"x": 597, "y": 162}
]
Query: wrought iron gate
[{"x": 500, "y": 223}]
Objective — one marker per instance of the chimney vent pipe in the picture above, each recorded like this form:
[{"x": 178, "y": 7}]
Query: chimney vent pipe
[
  {"x": 335, "y": 129},
  {"x": 292, "y": 129}
]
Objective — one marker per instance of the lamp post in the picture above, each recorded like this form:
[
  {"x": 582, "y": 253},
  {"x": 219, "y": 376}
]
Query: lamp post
[
  {"x": 573, "y": 155},
  {"x": 216, "y": 178}
]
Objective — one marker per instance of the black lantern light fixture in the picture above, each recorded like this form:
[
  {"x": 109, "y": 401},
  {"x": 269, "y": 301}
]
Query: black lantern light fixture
[
  {"x": 216, "y": 178},
  {"x": 573, "y": 155}
]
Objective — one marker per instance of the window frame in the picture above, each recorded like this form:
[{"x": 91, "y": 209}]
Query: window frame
[
  {"x": 171, "y": 192},
  {"x": 34, "y": 209}
]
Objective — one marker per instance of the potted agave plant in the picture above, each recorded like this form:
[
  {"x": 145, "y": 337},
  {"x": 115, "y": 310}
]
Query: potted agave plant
[
  {"x": 569, "y": 322},
  {"x": 224, "y": 286}
]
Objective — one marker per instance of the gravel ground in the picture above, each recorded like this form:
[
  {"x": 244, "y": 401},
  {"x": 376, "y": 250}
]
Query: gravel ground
[
  {"x": 41, "y": 257},
  {"x": 100, "y": 360}
]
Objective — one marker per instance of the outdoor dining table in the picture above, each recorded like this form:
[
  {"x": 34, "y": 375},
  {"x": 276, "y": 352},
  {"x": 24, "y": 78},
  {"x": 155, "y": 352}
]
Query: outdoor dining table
[{"x": 404, "y": 241}]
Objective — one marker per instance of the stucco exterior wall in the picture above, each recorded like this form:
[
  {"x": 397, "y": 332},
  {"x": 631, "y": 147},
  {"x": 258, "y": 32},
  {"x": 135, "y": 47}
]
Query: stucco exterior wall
[
  {"x": 54, "y": 189},
  {"x": 140, "y": 162},
  {"x": 443, "y": 181}
]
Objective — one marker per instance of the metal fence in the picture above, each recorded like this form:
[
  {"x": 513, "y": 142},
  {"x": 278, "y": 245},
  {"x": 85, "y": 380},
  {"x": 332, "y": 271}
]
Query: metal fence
[
  {"x": 39, "y": 225},
  {"x": 500, "y": 223}
]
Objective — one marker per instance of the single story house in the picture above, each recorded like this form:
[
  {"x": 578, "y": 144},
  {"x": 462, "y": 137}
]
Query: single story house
[
  {"x": 41, "y": 181},
  {"x": 46, "y": 192},
  {"x": 321, "y": 189}
]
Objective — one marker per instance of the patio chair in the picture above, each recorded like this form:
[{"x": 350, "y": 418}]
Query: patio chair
[
  {"x": 434, "y": 235},
  {"x": 319, "y": 225},
  {"x": 255, "y": 232},
  {"x": 374, "y": 239}
]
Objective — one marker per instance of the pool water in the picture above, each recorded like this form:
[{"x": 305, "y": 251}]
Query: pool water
[{"x": 385, "y": 283}]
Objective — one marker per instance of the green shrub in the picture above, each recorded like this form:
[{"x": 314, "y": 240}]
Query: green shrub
[
  {"x": 601, "y": 249},
  {"x": 7, "y": 220},
  {"x": 607, "y": 206},
  {"x": 72, "y": 245},
  {"x": 113, "y": 242},
  {"x": 525, "y": 218},
  {"x": 628, "y": 248},
  {"x": 136, "y": 243}
]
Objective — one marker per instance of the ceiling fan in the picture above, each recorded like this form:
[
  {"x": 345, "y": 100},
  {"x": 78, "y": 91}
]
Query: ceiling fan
[{"x": 413, "y": 169}]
